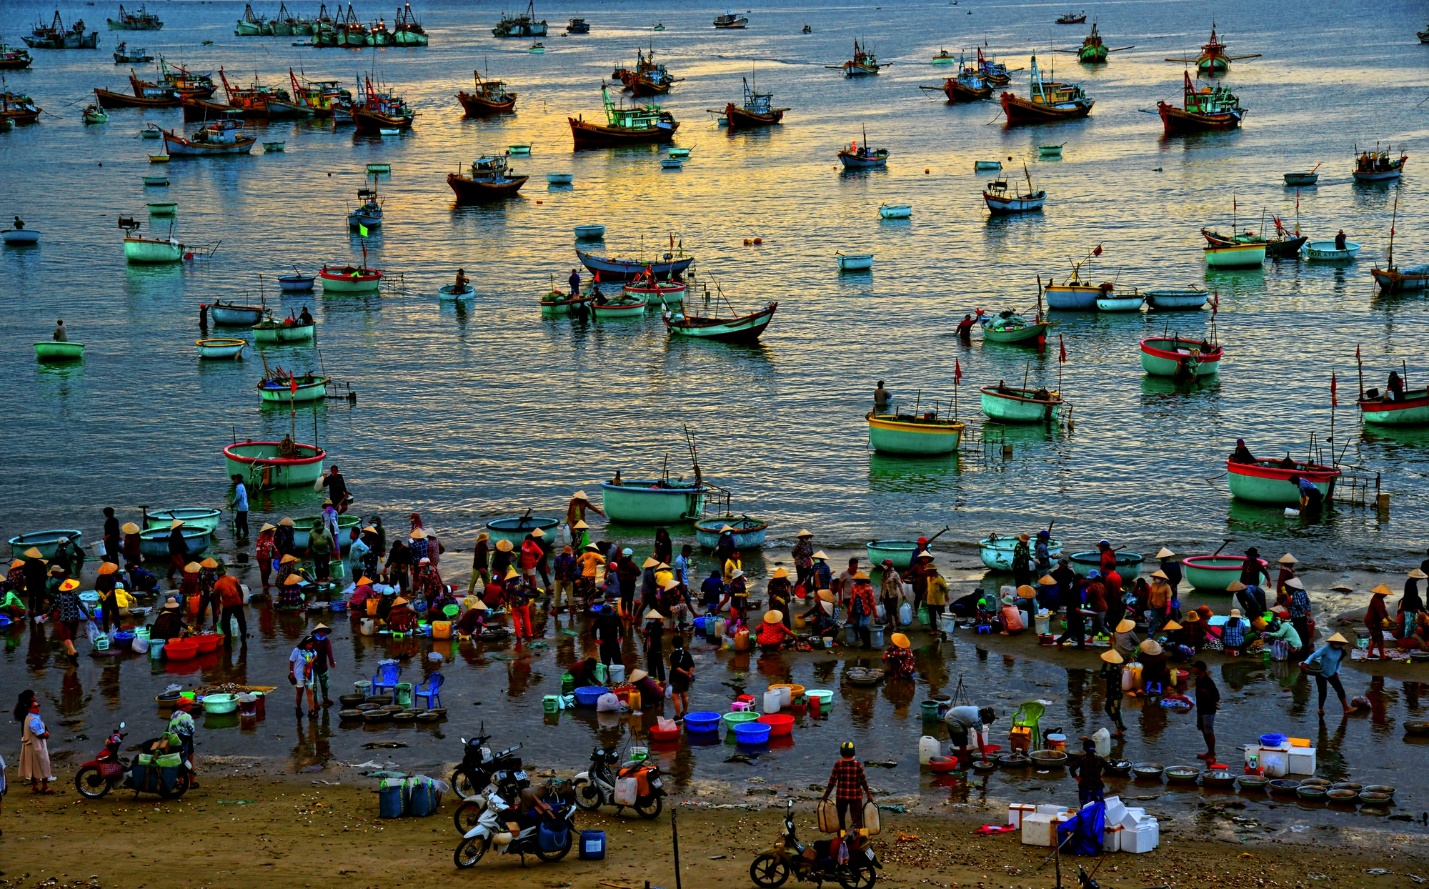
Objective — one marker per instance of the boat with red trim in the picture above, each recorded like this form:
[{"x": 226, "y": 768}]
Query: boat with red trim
[
  {"x": 1050, "y": 101},
  {"x": 489, "y": 98},
  {"x": 1203, "y": 109}
]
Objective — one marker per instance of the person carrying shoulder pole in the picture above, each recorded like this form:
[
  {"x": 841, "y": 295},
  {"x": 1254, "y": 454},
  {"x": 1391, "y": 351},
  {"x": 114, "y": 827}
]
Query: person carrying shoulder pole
[{"x": 851, "y": 784}]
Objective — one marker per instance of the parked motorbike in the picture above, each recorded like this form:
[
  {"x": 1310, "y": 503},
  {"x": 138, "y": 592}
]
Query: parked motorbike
[
  {"x": 479, "y": 766},
  {"x": 504, "y": 783},
  {"x": 548, "y": 839},
  {"x": 109, "y": 770},
  {"x": 637, "y": 785},
  {"x": 847, "y": 859}
]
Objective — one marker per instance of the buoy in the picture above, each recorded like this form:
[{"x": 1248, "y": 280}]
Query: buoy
[
  {"x": 747, "y": 242},
  {"x": 538, "y": 203},
  {"x": 926, "y": 171},
  {"x": 758, "y": 241}
]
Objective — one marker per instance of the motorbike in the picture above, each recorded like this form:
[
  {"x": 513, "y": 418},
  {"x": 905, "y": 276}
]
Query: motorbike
[
  {"x": 847, "y": 859},
  {"x": 109, "y": 770},
  {"x": 504, "y": 783},
  {"x": 548, "y": 839},
  {"x": 479, "y": 766},
  {"x": 637, "y": 785}
]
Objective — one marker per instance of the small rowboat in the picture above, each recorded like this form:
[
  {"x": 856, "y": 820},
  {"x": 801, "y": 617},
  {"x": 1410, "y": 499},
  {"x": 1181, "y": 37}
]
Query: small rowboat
[
  {"x": 1172, "y": 300},
  {"x": 379, "y": 169},
  {"x": 996, "y": 550},
  {"x": 922, "y": 435},
  {"x": 1008, "y": 326},
  {"x": 523, "y": 150},
  {"x": 1412, "y": 409},
  {"x": 1128, "y": 565},
  {"x": 158, "y": 158},
  {"x": 662, "y": 293},
  {"x": 218, "y": 348},
  {"x": 1212, "y": 572},
  {"x": 895, "y": 211},
  {"x": 51, "y": 351},
  {"x": 728, "y": 329},
  {"x": 556, "y": 303},
  {"x": 157, "y": 181},
  {"x": 296, "y": 283},
  {"x": 620, "y": 308},
  {"x": 1112, "y": 302},
  {"x": 270, "y": 330},
  {"x": 748, "y": 533},
  {"x": 273, "y": 147},
  {"x": 1326, "y": 251},
  {"x": 1303, "y": 179},
  {"x": 195, "y": 518},
  {"x": 855, "y": 262},
  {"x": 590, "y": 232},
  {"x": 987, "y": 166},
  {"x": 275, "y": 464},
  {"x": 651, "y": 502},
  {"x": 1398, "y": 280},
  {"x": 20, "y": 237},
  {"x": 1049, "y": 151},
  {"x": 350, "y": 279},
  {"x": 163, "y": 208},
  {"x": 233, "y": 315},
  {"x": 286, "y": 390},
  {"x": 514, "y": 529},
  {"x": 1268, "y": 481},
  {"x": 449, "y": 293},
  {"x": 1012, "y": 404},
  {"x": 679, "y": 152},
  {"x": 1174, "y": 357},
  {"x": 44, "y": 541},
  {"x": 154, "y": 543},
  {"x": 672, "y": 163},
  {"x": 560, "y": 178},
  {"x": 1249, "y": 254}
]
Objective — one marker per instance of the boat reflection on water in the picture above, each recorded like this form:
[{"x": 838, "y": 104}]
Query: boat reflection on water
[
  {"x": 889, "y": 474},
  {"x": 1154, "y": 390},
  {"x": 1264, "y": 519}
]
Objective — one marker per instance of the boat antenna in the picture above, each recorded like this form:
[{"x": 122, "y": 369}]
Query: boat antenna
[
  {"x": 1393, "y": 218},
  {"x": 1359, "y": 363}
]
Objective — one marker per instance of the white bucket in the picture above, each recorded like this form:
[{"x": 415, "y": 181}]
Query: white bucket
[
  {"x": 616, "y": 674},
  {"x": 720, "y": 624},
  {"x": 947, "y": 623},
  {"x": 1102, "y": 739},
  {"x": 771, "y": 701},
  {"x": 928, "y": 747},
  {"x": 368, "y": 626},
  {"x": 1043, "y": 622}
]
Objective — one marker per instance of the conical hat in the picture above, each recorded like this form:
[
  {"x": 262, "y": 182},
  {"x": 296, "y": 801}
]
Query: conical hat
[
  {"x": 364, "y": 580},
  {"x": 69, "y": 585},
  {"x": 293, "y": 578},
  {"x": 652, "y": 614},
  {"x": 268, "y": 526},
  {"x": 1414, "y": 573},
  {"x": 1288, "y": 559},
  {"x": 129, "y": 528},
  {"x": 209, "y": 563},
  {"x": 419, "y": 534},
  {"x": 773, "y": 617},
  {"x": 1112, "y": 657},
  {"x": 1171, "y": 625},
  {"x": 581, "y": 526},
  {"x": 33, "y": 553},
  {"x": 104, "y": 568},
  {"x": 820, "y": 555},
  {"x": 510, "y": 573},
  {"x": 286, "y": 522},
  {"x": 1338, "y": 638},
  {"x": 579, "y": 495},
  {"x": 1295, "y": 584},
  {"x": 192, "y": 568},
  {"x": 1159, "y": 574},
  {"x": 805, "y": 533},
  {"x": 650, "y": 562},
  {"x": 1165, "y": 553},
  {"x": 670, "y": 585},
  {"x": 503, "y": 545},
  {"x": 1151, "y": 647},
  {"x": 1235, "y": 586},
  {"x": 480, "y": 606},
  {"x": 288, "y": 559},
  {"x": 400, "y": 601},
  {"x": 1381, "y": 590},
  {"x": 1047, "y": 580},
  {"x": 825, "y": 595},
  {"x": 176, "y": 523},
  {"x": 1126, "y": 625},
  {"x": 901, "y": 640},
  {"x": 778, "y": 573}
]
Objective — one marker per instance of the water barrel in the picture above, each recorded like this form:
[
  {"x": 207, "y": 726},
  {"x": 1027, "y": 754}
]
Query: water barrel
[
  {"x": 930, "y": 711},
  {"x": 928, "y": 747},
  {"x": 592, "y": 845}
]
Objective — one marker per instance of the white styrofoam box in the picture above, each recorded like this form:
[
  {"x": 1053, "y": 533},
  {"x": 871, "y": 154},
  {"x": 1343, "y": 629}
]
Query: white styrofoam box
[
  {"x": 1115, "y": 810},
  {"x": 1111, "y": 838},
  {"x": 1134, "y": 816},
  {"x": 1046, "y": 809},
  {"x": 1038, "y": 829},
  {"x": 1017, "y": 811},
  {"x": 1302, "y": 761},
  {"x": 1275, "y": 761},
  {"x": 1144, "y": 838}
]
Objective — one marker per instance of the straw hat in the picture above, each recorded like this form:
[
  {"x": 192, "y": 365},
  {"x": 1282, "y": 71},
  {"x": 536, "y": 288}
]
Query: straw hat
[
  {"x": 1381, "y": 590},
  {"x": 364, "y": 580},
  {"x": 1111, "y": 656},
  {"x": 900, "y": 640},
  {"x": 1295, "y": 584},
  {"x": 400, "y": 601},
  {"x": 652, "y": 614},
  {"x": 129, "y": 528},
  {"x": 778, "y": 574},
  {"x": 293, "y": 578},
  {"x": 859, "y": 575},
  {"x": 17, "y": 563},
  {"x": 1159, "y": 574},
  {"x": 286, "y": 522},
  {"x": 1287, "y": 559},
  {"x": 1024, "y": 537},
  {"x": 320, "y": 627},
  {"x": 805, "y": 533},
  {"x": 267, "y": 526},
  {"x": 480, "y": 537},
  {"x": 288, "y": 559},
  {"x": 1126, "y": 625},
  {"x": 55, "y": 570},
  {"x": 32, "y": 553},
  {"x": 538, "y": 533},
  {"x": 1235, "y": 586},
  {"x": 773, "y": 617},
  {"x": 176, "y": 523},
  {"x": 581, "y": 526},
  {"x": 820, "y": 555},
  {"x": 1414, "y": 573},
  {"x": 726, "y": 528},
  {"x": 637, "y": 675},
  {"x": 503, "y": 545},
  {"x": 1171, "y": 625},
  {"x": 825, "y": 595},
  {"x": 192, "y": 568},
  {"x": 69, "y": 585},
  {"x": 104, "y": 567},
  {"x": 1235, "y": 612},
  {"x": 579, "y": 495},
  {"x": 1338, "y": 638},
  {"x": 171, "y": 605},
  {"x": 924, "y": 555},
  {"x": 650, "y": 562},
  {"x": 419, "y": 534},
  {"x": 1047, "y": 580},
  {"x": 510, "y": 573},
  {"x": 327, "y": 501},
  {"x": 209, "y": 563},
  {"x": 670, "y": 585},
  {"x": 480, "y": 606},
  {"x": 1193, "y": 618},
  {"x": 1026, "y": 592},
  {"x": 1165, "y": 553},
  {"x": 1151, "y": 647}
]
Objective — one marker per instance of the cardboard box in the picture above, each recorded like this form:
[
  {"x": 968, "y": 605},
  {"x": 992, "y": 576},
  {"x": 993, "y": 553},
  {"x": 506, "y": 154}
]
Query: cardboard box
[
  {"x": 1039, "y": 830},
  {"x": 1017, "y": 811},
  {"x": 1146, "y": 837},
  {"x": 1111, "y": 838}
]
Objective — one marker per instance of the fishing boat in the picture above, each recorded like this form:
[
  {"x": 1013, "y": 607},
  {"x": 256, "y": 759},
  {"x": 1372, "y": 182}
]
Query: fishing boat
[
  {"x": 56, "y": 36},
  {"x": 221, "y": 348},
  {"x": 923, "y": 434},
  {"x": 188, "y": 84},
  {"x": 1120, "y": 301},
  {"x": 944, "y": 57},
  {"x": 1303, "y": 179},
  {"x": 275, "y": 464},
  {"x": 406, "y": 30},
  {"x": 369, "y": 209},
  {"x": 649, "y": 78},
  {"x": 1268, "y": 481},
  {"x": 227, "y": 314},
  {"x": 50, "y": 351},
  {"x": 613, "y": 269},
  {"x": 749, "y": 534},
  {"x": 1072, "y": 18},
  {"x": 560, "y": 179},
  {"x": 638, "y": 125},
  {"x": 1213, "y": 59},
  {"x": 1050, "y": 101},
  {"x": 1185, "y": 299},
  {"x": 1207, "y": 108},
  {"x": 297, "y": 282},
  {"x": 895, "y": 211},
  {"x": 1286, "y": 244},
  {"x": 252, "y": 25},
  {"x": 1214, "y": 573},
  {"x": 379, "y": 111},
  {"x": 537, "y": 49},
  {"x": 218, "y": 138},
  {"x": 156, "y": 181},
  {"x": 1411, "y": 408},
  {"x": 95, "y": 114},
  {"x": 123, "y": 56},
  {"x": 854, "y": 157},
  {"x": 324, "y": 99},
  {"x": 260, "y": 101},
  {"x": 994, "y": 72},
  {"x": 162, "y": 98},
  {"x": 283, "y": 388},
  {"x": 488, "y": 97},
  {"x": 589, "y": 232},
  {"x": 653, "y": 501},
  {"x": 1002, "y": 200},
  {"x": 1093, "y": 51},
  {"x": 1075, "y": 294},
  {"x": 523, "y": 25},
  {"x": 731, "y": 327},
  {"x": 20, "y": 237},
  {"x": 1392, "y": 279},
  {"x": 730, "y": 22},
  {"x": 968, "y": 86},
  {"x": 1171, "y": 356},
  {"x": 863, "y": 64},
  {"x": 1011, "y": 327},
  {"x": 13, "y": 59},
  {"x": 1011, "y": 404},
  {"x": 1244, "y": 250},
  {"x": 657, "y": 292},
  {"x": 621, "y": 307},
  {"x": 1331, "y": 251},
  {"x": 450, "y": 292},
  {"x": 490, "y": 179},
  {"x": 47, "y": 542},
  {"x": 555, "y": 303},
  {"x": 578, "y": 26},
  {"x": 345, "y": 279},
  {"x": 18, "y": 109},
  {"x": 854, "y": 262},
  {"x": 996, "y": 550},
  {"x": 151, "y": 251},
  {"x": 289, "y": 330},
  {"x": 757, "y": 111},
  {"x": 1379, "y": 166}
]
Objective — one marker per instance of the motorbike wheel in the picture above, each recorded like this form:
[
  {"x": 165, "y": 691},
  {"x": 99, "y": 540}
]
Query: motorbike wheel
[
  {"x": 557, "y": 854},
  {"x": 470, "y": 852},
  {"x": 858, "y": 875},
  {"x": 466, "y": 816},
  {"x": 90, "y": 783},
  {"x": 463, "y": 785},
  {"x": 651, "y": 809},
  {"x": 181, "y": 787},
  {"x": 588, "y": 796},
  {"x": 769, "y": 871}
]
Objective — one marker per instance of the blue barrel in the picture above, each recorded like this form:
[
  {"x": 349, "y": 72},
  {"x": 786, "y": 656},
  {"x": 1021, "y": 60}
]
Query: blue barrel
[
  {"x": 592, "y": 845},
  {"x": 389, "y": 800}
]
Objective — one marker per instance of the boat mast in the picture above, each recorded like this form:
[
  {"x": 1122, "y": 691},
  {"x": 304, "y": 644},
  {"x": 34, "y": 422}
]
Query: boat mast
[
  {"x": 1394, "y": 217},
  {"x": 694, "y": 456}
]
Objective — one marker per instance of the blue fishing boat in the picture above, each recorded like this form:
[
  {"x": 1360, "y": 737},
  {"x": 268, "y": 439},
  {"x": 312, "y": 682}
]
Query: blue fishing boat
[
  {"x": 862, "y": 157},
  {"x": 748, "y": 533},
  {"x": 612, "y": 269}
]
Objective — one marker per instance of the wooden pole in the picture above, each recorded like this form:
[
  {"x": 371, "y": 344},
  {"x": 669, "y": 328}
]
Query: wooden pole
[
  {"x": 675, "y": 843},
  {"x": 1359, "y": 363}
]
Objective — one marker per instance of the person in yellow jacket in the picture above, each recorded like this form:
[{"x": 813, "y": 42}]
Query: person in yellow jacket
[{"x": 934, "y": 599}]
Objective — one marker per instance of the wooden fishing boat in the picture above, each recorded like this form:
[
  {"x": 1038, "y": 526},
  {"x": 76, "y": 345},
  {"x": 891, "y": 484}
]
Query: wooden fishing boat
[
  {"x": 924, "y": 434},
  {"x": 369, "y": 209},
  {"x": 95, "y": 114},
  {"x": 154, "y": 542},
  {"x": 285, "y": 24},
  {"x": 1050, "y": 102},
  {"x": 649, "y": 78},
  {"x": 1002, "y": 200},
  {"x": 1072, "y": 18},
  {"x": 123, "y": 56},
  {"x": 13, "y": 59},
  {"x": 350, "y": 279},
  {"x": 996, "y": 550},
  {"x": 732, "y": 328},
  {"x": 652, "y": 502},
  {"x": 226, "y": 314},
  {"x": 490, "y": 180},
  {"x": 284, "y": 389},
  {"x": 1012, "y": 404},
  {"x": 854, "y": 262},
  {"x": 620, "y": 307},
  {"x": 195, "y": 518},
  {"x": 863, "y": 63},
  {"x": 220, "y": 348},
  {"x": 730, "y": 21},
  {"x": 1009, "y": 327},
  {"x": 259, "y": 100},
  {"x": 1120, "y": 302},
  {"x": 47, "y": 542},
  {"x": 749, "y": 534},
  {"x": 275, "y": 464},
  {"x": 1411, "y": 409},
  {"x": 944, "y": 57},
  {"x": 1242, "y": 250},
  {"x": 1213, "y": 59},
  {"x": 1268, "y": 481},
  {"x": 1379, "y": 166},
  {"x": 1207, "y": 108},
  {"x": 1189, "y": 298},
  {"x": 488, "y": 98},
  {"x": 1214, "y": 572},
  {"x": 322, "y": 98},
  {"x": 968, "y": 86},
  {"x": 1171, "y": 356},
  {"x": 218, "y": 138},
  {"x": 639, "y": 125},
  {"x": 142, "y": 20},
  {"x": 450, "y": 293},
  {"x": 895, "y": 211},
  {"x": 253, "y": 25},
  {"x": 150, "y": 251},
  {"x": 198, "y": 110},
  {"x": 289, "y": 330},
  {"x": 1392, "y": 279},
  {"x": 186, "y": 83},
  {"x": 757, "y": 111},
  {"x": 111, "y": 99},
  {"x": 18, "y": 109},
  {"x": 1329, "y": 251},
  {"x": 661, "y": 293},
  {"x": 555, "y": 303},
  {"x": 56, "y": 36},
  {"x": 379, "y": 111},
  {"x": 854, "y": 157},
  {"x": 297, "y": 282},
  {"x": 51, "y": 351},
  {"x": 577, "y": 26},
  {"x": 1286, "y": 244},
  {"x": 1093, "y": 51},
  {"x": 612, "y": 269},
  {"x": 1075, "y": 294},
  {"x": 523, "y": 25},
  {"x": 994, "y": 72}
]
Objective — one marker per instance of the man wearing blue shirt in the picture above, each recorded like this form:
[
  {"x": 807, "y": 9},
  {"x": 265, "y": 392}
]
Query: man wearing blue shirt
[
  {"x": 681, "y": 565},
  {"x": 240, "y": 507}
]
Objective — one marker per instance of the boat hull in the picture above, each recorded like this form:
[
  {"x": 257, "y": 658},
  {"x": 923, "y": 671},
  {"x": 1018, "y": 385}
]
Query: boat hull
[
  {"x": 1378, "y": 176},
  {"x": 1006, "y": 408},
  {"x": 855, "y": 262},
  {"x": 889, "y": 434},
  {"x": 44, "y": 541},
  {"x": 1326, "y": 251},
  {"x": 152, "y": 252},
  {"x": 612, "y": 311},
  {"x": 1020, "y": 111},
  {"x": 154, "y": 543},
  {"x": 112, "y": 100},
  {"x": 195, "y": 518},
  {"x": 1412, "y": 411},
  {"x": 617, "y": 270},
  {"x": 476, "y": 106},
  {"x": 642, "y": 503},
  {"x": 1119, "y": 303},
  {"x": 1028, "y": 335},
  {"x": 448, "y": 293},
  {"x": 899, "y": 552},
  {"x": 1128, "y": 565},
  {"x": 220, "y": 349},
  {"x": 1166, "y": 358},
  {"x": 1266, "y": 483},
  {"x": 51, "y": 351},
  {"x": 20, "y": 237},
  {"x": 1007, "y": 206},
  {"x": 1399, "y": 280},
  {"x": 1065, "y": 298},
  {"x": 304, "y": 393},
  {"x": 296, "y": 283},
  {"x": 262, "y": 463},
  {"x": 739, "y": 119},
  {"x": 1302, "y": 179},
  {"x": 515, "y": 529},
  {"x": 283, "y": 333},
  {"x": 857, "y": 162},
  {"x": 1176, "y": 300},
  {"x": 177, "y": 146},
  {"x": 747, "y": 329},
  {"x": 588, "y": 135},
  {"x": 235, "y": 316},
  {"x": 996, "y": 550},
  {"x": 474, "y": 191},
  {"x": 336, "y": 282},
  {"x": 1212, "y": 572},
  {"x": 748, "y": 533},
  {"x": 1235, "y": 256},
  {"x": 1177, "y": 122}
]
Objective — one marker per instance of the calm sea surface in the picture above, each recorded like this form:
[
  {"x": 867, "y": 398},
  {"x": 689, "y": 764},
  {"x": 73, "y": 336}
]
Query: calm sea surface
[{"x": 466, "y": 413}]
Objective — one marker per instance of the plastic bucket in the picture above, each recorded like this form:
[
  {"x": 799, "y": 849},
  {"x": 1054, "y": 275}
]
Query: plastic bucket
[
  {"x": 617, "y": 674},
  {"x": 156, "y": 649},
  {"x": 752, "y": 733},
  {"x": 875, "y": 636},
  {"x": 389, "y": 800},
  {"x": 551, "y": 703},
  {"x": 930, "y": 711},
  {"x": 592, "y": 845}
]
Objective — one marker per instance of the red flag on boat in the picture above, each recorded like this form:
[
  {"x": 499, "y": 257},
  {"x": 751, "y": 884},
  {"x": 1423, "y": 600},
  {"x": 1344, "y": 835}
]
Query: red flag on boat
[
  {"x": 293, "y": 385},
  {"x": 957, "y": 372},
  {"x": 1334, "y": 390},
  {"x": 1215, "y": 302},
  {"x": 1357, "y": 354},
  {"x": 1062, "y": 347},
  {"x": 1097, "y": 251}
]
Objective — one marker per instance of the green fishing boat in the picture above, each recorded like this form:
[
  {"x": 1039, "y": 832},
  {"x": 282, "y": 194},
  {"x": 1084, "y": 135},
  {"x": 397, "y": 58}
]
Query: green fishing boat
[
  {"x": 51, "y": 351},
  {"x": 275, "y": 464},
  {"x": 1011, "y": 404},
  {"x": 1008, "y": 326},
  {"x": 1172, "y": 356},
  {"x": 44, "y": 541},
  {"x": 195, "y": 518},
  {"x": 1268, "y": 481},
  {"x": 924, "y": 434},
  {"x": 651, "y": 502},
  {"x": 292, "y": 390}
]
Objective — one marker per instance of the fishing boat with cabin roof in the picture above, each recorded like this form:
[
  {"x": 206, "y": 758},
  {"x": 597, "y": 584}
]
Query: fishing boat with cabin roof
[
  {"x": 17, "y": 109},
  {"x": 1213, "y": 59},
  {"x": 490, "y": 179},
  {"x": 377, "y": 111},
  {"x": 1002, "y": 199},
  {"x": 670, "y": 265},
  {"x": 406, "y": 30},
  {"x": 13, "y": 59},
  {"x": 489, "y": 97},
  {"x": 639, "y": 125},
  {"x": 863, "y": 63},
  {"x": 218, "y": 138},
  {"x": 1203, "y": 109},
  {"x": 1379, "y": 166},
  {"x": 968, "y": 86},
  {"x": 650, "y": 78},
  {"x": 322, "y": 98},
  {"x": 757, "y": 110},
  {"x": 56, "y": 36},
  {"x": 1050, "y": 101},
  {"x": 143, "y": 20},
  {"x": 523, "y": 25},
  {"x": 854, "y": 157}
]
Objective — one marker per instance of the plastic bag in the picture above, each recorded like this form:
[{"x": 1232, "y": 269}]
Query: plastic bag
[
  {"x": 92, "y": 630},
  {"x": 140, "y": 645}
]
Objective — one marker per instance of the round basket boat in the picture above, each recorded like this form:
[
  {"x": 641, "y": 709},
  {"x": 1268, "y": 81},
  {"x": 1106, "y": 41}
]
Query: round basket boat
[
  {"x": 378, "y": 715},
  {"x": 379, "y": 700},
  {"x": 404, "y": 716},
  {"x": 1375, "y": 799},
  {"x": 1128, "y": 565},
  {"x": 429, "y": 716},
  {"x": 1344, "y": 785},
  {"x": 1417, "y": 728},
  {"x": 1385, "y": 789},
  {"x": 350, "y": 701},
  {"x": 515, "y": 528},
  {"x": 1323, "y": 782},
  {"x": 901, "y": 552},
  {"x": 748, "y": 533}
]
